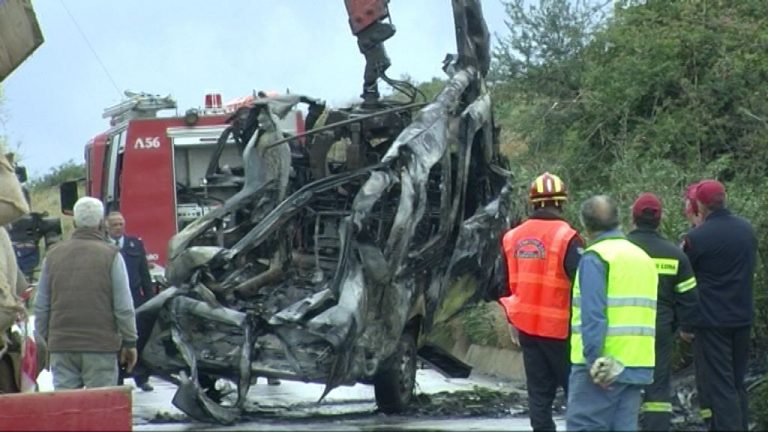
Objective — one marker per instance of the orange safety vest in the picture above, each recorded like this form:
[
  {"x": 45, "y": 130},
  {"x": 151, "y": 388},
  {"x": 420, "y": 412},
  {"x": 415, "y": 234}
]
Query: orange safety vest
[{"x": 539, "y": 297}]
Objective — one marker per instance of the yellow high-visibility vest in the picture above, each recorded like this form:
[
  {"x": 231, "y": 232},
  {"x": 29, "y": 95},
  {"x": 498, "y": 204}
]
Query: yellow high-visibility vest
[{"x": 631, "y": 288}]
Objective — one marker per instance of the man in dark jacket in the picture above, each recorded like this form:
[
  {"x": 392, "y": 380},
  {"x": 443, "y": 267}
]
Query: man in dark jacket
[
  {"x": 135, "y": 257},
  {"x": 132, "y": 249},
  {"x": 675, "y": 305},
  {"x": 722, "y": 251}
]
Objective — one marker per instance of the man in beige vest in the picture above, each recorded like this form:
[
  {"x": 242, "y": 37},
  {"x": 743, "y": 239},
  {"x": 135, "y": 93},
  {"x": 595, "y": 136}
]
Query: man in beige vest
[{"x": 84, "y": 309}]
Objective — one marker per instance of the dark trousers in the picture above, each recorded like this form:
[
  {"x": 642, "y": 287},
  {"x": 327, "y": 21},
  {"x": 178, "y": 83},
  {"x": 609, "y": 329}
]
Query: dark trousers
[
  {"x": 705, "y": 406},
  {"x": 722, "y": 357},
  {"x": 139, "y": 375},
  {"x": 656, "y": 410},
  {"x": 546, "y": 367}
]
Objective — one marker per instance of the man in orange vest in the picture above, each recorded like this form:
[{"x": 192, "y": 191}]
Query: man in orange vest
[{"x": 542, "y": 255}]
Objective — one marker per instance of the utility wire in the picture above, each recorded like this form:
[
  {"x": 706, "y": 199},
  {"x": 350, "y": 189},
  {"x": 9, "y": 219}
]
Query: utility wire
[{"x": 87, "y": 42}]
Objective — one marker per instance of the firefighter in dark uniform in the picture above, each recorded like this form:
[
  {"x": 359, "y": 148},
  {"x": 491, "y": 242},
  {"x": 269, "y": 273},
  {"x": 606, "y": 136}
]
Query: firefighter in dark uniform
[
  {"x": 542, "y": 255},
  {"x": 675, "y": 306},
  {"x": 722, "y": 251},
  {"x": 694, "y": 217}
]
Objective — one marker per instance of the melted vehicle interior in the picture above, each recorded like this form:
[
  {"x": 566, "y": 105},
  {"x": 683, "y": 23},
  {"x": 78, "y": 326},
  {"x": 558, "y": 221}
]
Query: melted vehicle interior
[{"x": 346, "y": 248}]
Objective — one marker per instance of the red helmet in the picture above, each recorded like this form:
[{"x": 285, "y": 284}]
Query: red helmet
[{"x": 548, "y": 187}]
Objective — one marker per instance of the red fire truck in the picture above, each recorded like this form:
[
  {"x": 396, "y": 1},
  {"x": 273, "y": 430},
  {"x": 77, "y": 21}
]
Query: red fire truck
[{"x": 155, "y": 169}]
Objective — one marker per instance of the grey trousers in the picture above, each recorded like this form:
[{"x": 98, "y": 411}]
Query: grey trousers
[
  {"x": 592, "y": 408},
  {"x": 74, "y": 370}
]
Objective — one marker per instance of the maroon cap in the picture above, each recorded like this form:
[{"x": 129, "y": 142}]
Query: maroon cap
[
  {"x": 690, "y": 191},
  {"x": 710, "y": 192},
  {"x": 691, "y": 208},
  {"x": 647, "y": 203}
]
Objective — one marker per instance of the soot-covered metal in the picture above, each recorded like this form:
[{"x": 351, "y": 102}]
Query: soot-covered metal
[{"x": 346, "y": 248}]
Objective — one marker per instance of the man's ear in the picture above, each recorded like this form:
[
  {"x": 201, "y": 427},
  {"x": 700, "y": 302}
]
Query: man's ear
[{"x": 700, "y": 208}]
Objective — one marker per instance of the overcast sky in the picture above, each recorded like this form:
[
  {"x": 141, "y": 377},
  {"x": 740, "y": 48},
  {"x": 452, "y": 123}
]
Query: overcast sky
[{"x": 54, "y": 101}]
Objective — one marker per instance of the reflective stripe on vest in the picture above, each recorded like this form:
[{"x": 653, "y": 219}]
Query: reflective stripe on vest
[
  {"x": 656, "y": 407},
  {"x": 631, "y": 289},
  {"x": 623, "y": 331},
  {"x": 540, "y": 290},
  {"x": 625, "y": 301}
]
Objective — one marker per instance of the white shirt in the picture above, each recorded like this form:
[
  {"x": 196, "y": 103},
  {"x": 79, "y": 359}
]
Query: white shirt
[{"x": 118, "y": 242}]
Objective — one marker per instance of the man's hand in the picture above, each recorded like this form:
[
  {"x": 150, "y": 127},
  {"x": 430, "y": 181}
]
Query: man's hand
[
  {"x": 27, "y": 293},
  {"x": 128, "y": 358},
  {"x": 688, "y": 337},
  {"x": 605, "y": 370}
]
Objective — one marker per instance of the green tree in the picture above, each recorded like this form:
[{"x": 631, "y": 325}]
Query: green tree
[
  {"x": 537, "y": 68},
  {"x": 541, "y": 50},
  {"x": 57, "y": 175},
  {"x": 671, "y": 85}
]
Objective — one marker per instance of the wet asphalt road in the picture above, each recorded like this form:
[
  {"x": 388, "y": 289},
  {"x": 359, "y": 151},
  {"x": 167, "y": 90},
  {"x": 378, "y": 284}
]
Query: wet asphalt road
[{"x": 293, "y": 406}]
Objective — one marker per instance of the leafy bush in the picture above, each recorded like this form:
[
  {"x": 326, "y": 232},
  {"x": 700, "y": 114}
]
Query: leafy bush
[
  {"x": 67, "y": 171},
  {"x": 480, "y": 324}
]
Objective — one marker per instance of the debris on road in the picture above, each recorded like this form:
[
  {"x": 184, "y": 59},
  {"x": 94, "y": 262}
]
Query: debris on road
[
  {"x": 162, "y": 417},
  {"x": 478, "y": 402}
]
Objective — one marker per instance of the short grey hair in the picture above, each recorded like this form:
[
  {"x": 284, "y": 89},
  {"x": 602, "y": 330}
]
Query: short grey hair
[
  {"x": 600, "y": 213},
  {"x": 89, "y": 212}
]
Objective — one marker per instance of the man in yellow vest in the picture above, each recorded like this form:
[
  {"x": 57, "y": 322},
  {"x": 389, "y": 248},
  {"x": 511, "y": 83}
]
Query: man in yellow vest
[
  {"x": 613, "y": 325},
  {"x": 541, "y": 256}
]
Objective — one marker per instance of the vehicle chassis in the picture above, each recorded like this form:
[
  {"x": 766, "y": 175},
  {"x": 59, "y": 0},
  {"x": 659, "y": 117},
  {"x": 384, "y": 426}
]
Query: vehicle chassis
[{"x": 335, "y": 270}]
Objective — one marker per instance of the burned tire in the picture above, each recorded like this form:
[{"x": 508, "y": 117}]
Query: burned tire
[{"x": 394, "y": 384}]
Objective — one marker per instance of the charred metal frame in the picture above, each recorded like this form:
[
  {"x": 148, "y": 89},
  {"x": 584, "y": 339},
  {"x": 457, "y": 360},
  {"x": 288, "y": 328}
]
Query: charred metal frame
[{"x": 315, "y": 269}]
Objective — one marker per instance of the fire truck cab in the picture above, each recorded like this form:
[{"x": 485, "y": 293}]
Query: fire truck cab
[{"x": 163, "y": 172}]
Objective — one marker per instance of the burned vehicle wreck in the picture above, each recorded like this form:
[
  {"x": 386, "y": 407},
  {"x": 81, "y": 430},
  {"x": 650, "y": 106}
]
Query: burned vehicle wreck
[{"x": 346, "y": 248}]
